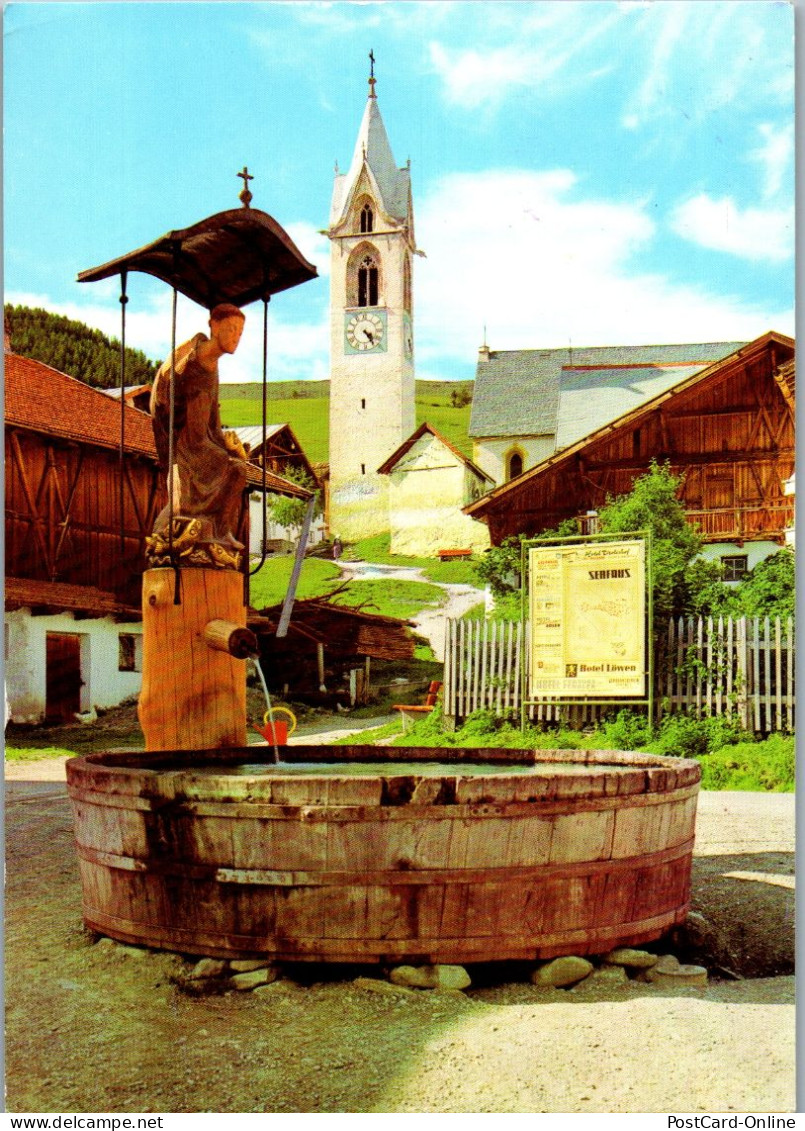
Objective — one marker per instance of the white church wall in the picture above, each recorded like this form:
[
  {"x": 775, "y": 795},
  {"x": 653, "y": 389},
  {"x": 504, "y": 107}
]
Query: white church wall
[{"x": 491, "y": 454}]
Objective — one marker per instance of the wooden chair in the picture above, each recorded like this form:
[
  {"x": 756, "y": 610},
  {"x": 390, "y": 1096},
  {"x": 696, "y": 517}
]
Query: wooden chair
[{"x": 409, "y": 712}]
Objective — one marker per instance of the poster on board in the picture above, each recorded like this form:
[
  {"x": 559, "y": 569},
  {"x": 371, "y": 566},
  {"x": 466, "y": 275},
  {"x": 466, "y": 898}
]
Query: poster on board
[{"x": 587, "y": 611}]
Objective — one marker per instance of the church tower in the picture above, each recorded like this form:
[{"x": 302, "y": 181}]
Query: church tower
[{"x": 371, "y": 327}]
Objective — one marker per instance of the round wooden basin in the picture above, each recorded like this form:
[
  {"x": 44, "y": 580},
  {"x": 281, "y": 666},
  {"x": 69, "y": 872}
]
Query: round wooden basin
[{"x": 377, "y": 854}]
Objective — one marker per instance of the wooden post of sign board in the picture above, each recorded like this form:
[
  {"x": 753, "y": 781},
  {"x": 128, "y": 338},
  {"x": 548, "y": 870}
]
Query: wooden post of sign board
[{"x": 193, "y": 691}]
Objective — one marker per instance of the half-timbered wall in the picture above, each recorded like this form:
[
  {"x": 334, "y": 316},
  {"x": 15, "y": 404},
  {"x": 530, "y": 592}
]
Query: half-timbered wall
[{"x": 63, "y": 505}]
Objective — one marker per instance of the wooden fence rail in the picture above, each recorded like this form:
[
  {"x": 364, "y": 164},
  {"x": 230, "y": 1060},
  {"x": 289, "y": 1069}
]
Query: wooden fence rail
[{"x": 740, "y": 667}]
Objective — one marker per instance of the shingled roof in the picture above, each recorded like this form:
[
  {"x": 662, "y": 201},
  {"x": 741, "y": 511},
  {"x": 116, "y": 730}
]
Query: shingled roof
[
  {"x": 42, "y": 399},
  {"x": 568, "y": 393}
]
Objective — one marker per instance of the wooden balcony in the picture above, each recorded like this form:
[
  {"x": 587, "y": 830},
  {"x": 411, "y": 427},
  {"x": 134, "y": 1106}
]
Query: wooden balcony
[{"x": 766, "y": 520}]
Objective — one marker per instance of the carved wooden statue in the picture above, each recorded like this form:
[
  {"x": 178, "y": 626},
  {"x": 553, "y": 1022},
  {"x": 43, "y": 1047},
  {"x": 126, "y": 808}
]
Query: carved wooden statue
[
  {"x": 194, "y": 688},
  {"x": 209, "y": 470}
]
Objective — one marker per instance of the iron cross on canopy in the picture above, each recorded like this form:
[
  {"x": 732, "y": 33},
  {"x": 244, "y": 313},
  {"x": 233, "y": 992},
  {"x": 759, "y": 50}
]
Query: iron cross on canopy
[{"x": 245, "y": 196}]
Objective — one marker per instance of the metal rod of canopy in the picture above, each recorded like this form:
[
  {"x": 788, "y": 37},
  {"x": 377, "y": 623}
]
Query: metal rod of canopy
[
  {"x": 122, "y": 455},
  {"x": 262, "y": 561},
  {"x": 177, "y": 600}
]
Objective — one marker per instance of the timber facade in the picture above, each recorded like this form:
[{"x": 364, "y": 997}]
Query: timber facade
[
  {"x": 728, "y": 431},
  {"x": 66, "y": 487}
]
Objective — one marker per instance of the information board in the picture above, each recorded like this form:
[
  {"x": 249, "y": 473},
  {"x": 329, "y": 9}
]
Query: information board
[{"x": 588, "y": 629}]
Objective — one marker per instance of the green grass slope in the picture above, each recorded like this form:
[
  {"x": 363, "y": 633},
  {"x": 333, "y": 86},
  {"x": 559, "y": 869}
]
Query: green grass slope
[{"x": 305, "y": 406}]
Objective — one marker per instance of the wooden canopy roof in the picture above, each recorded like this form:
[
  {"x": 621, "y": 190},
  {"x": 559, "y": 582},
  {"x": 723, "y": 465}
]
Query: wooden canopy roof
[{"x": 237, "y": 256}]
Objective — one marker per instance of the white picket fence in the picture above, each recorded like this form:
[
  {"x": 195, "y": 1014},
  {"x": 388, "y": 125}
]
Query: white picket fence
[{"x": 743, "y": 667}]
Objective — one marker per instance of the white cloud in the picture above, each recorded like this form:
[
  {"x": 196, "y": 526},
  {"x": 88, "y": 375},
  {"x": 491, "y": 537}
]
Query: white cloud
[
  {"x": 541, "y": 53},
  {"x": 757, "y": 234},
  {"x": 298, "y": 350},
  {"x": 687, "y": 59},
  {"x": 775, "y": 156},
  {"x": 527, "y": 256},
  {"x": 314, "y": 246}
]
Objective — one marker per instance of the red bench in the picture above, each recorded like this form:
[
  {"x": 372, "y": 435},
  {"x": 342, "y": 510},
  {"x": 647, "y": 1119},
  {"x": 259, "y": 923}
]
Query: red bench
[
  {"x": 409, "y": 712},
  {"x": 448, "y": 555}
]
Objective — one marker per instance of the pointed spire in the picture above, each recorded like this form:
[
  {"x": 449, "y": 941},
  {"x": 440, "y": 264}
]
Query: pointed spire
[{"x": 372, "y": 154}]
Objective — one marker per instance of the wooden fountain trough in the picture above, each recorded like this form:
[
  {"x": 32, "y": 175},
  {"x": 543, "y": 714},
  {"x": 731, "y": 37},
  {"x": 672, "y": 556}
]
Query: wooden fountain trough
[{"x": 343, "y": 854}]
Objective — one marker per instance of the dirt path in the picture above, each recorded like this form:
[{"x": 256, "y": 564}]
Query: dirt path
[
  {"x": 430, "y": 623},
  {"x": 95, "y": 1026}
]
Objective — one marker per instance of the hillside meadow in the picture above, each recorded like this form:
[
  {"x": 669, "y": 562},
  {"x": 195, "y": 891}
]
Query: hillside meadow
[{"x": 305, "y": 406}]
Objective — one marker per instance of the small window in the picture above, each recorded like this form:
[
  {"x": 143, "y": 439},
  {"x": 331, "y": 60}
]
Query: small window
[
  {"x": 363, "y": 402},
  {"x": 363, "y": 469},
  {"x": 736, "y": 567},
  {"x": 367, "y": 218},
  {"x": 515, "y": 465},
  {"x": 129, "y": 652}
]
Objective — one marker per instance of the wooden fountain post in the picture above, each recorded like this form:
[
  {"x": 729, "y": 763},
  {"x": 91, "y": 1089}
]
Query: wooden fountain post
[{"x": 194, "y": 681}]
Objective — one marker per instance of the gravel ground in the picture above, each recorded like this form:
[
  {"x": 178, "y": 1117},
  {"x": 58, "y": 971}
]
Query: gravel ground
[{"x": 96, "y": 1026}]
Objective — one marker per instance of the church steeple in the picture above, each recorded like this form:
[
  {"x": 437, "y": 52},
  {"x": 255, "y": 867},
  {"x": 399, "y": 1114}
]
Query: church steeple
[
  {"x": 372, "y": 156},
  {"x": 372, "y": 386}
]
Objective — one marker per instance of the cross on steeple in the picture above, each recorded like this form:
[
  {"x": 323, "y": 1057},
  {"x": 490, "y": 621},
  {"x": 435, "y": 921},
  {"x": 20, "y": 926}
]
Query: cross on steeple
[
  {"x": 245, "y": 196},
  {"x": 372, "y": 79}
]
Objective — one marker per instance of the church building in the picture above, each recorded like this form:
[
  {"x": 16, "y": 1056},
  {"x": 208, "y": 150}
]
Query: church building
[{"x": 372, "y": 387}]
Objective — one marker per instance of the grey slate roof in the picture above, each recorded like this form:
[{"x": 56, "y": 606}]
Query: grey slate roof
[
  {"x": 393, "y": 184},
  {"x": 568, "y": 393}
]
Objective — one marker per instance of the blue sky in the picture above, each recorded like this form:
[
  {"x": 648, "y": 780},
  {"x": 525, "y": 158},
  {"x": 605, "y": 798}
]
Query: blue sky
[{"x": 594, "y": 173}]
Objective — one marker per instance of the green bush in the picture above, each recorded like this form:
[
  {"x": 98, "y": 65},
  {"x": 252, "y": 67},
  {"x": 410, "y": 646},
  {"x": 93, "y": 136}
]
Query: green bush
[
  {"x": 484, "y": 729},
  {"x": 729, "y": 758},
  {"x": 686, "y": 736},
  {"x": 683, "y": 736},
  {"x": 768, "y": 766},
  {"x": 627, "y": 731}
]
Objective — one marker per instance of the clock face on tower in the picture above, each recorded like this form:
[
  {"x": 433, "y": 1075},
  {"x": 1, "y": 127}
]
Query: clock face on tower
[{"x": 365, "y": 331}]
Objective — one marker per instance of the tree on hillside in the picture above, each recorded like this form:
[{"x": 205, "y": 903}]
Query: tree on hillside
[
  {"x": 460, "y": 397},
  {"x": 73, "y": 348}
]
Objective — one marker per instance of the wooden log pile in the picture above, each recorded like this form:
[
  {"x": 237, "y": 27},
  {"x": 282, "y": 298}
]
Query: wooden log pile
[{"x": 326, "y": 638}]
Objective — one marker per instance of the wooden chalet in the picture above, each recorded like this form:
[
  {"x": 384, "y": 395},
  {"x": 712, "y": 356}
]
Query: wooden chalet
[
  {"x": 280, "y": 451},
  {"x": 63, "y": 484},
  {"x": 728, "y": 430}
]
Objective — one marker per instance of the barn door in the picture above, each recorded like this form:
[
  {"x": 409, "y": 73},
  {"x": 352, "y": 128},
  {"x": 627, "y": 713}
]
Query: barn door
[{"x": 63, "y": 680}]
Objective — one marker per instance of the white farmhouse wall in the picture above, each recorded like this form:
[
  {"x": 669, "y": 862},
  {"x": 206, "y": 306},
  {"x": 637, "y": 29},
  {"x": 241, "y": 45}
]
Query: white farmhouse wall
[
  {"x": 428, "y": 488},
  {"x": 755, "y": 551},
  {"x": 275, "y": 531},
  {"x": 104, "y": 684},
  {"x": 490, "y": 454}
]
